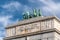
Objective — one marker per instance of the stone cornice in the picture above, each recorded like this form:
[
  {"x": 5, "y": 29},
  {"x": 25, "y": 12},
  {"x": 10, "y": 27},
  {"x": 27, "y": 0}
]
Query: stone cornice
[
  {"x": 34, "y": 33},
  {"x": 31, "y": 20}
]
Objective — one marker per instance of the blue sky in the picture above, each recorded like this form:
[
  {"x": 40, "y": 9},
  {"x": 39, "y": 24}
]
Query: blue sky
[{"x": 11, "y": 10}]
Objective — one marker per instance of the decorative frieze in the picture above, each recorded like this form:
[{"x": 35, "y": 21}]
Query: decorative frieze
[{"x": 29, "y": 28}]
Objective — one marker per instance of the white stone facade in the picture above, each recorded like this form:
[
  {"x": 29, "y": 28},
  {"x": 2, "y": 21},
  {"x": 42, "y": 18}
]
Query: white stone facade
[
  {"x": 46, "y": 36},
  {"x": 36, "y": 26}
]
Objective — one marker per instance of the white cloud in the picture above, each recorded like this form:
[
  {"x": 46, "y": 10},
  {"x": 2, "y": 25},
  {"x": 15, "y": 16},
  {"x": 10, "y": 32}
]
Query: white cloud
[
  {"x": 1, "y": 38},
  {"x": 32, "y": 1},
  {"x": 26, "y": 8},
  {"x": 16, "y": 6},
  {"x": 12, "y": 6},
  {"x": 6, "y": 20},
  {"x": 50, "y": 7},
  {"x": 50, "y": 4}
]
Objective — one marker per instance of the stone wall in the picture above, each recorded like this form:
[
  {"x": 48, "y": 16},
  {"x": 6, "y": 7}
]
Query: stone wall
[
  {"x": 46, "y": 36},
  {"x": 30, "y": 28},
  {"x": 56, "y": 24}
]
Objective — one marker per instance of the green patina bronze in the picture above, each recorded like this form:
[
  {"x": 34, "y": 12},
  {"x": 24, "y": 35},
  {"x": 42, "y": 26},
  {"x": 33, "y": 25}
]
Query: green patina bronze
[
  {"x": 39, "y": 12},
  {"x": 24, "y": 16},
  {"x": 28, "y": 15},
  {"x": 34, "y": 13}
]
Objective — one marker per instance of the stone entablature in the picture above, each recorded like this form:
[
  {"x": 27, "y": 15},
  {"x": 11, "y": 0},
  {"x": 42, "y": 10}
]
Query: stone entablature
[
  {"x": 31, "y": 20},
  {"x": 37, "y": 33},
  {"x": 33, "y": 25}
]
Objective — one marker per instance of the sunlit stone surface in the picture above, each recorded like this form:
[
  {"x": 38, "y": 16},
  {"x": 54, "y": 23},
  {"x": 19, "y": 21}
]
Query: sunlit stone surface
[{"x": 38, "y": 28}]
